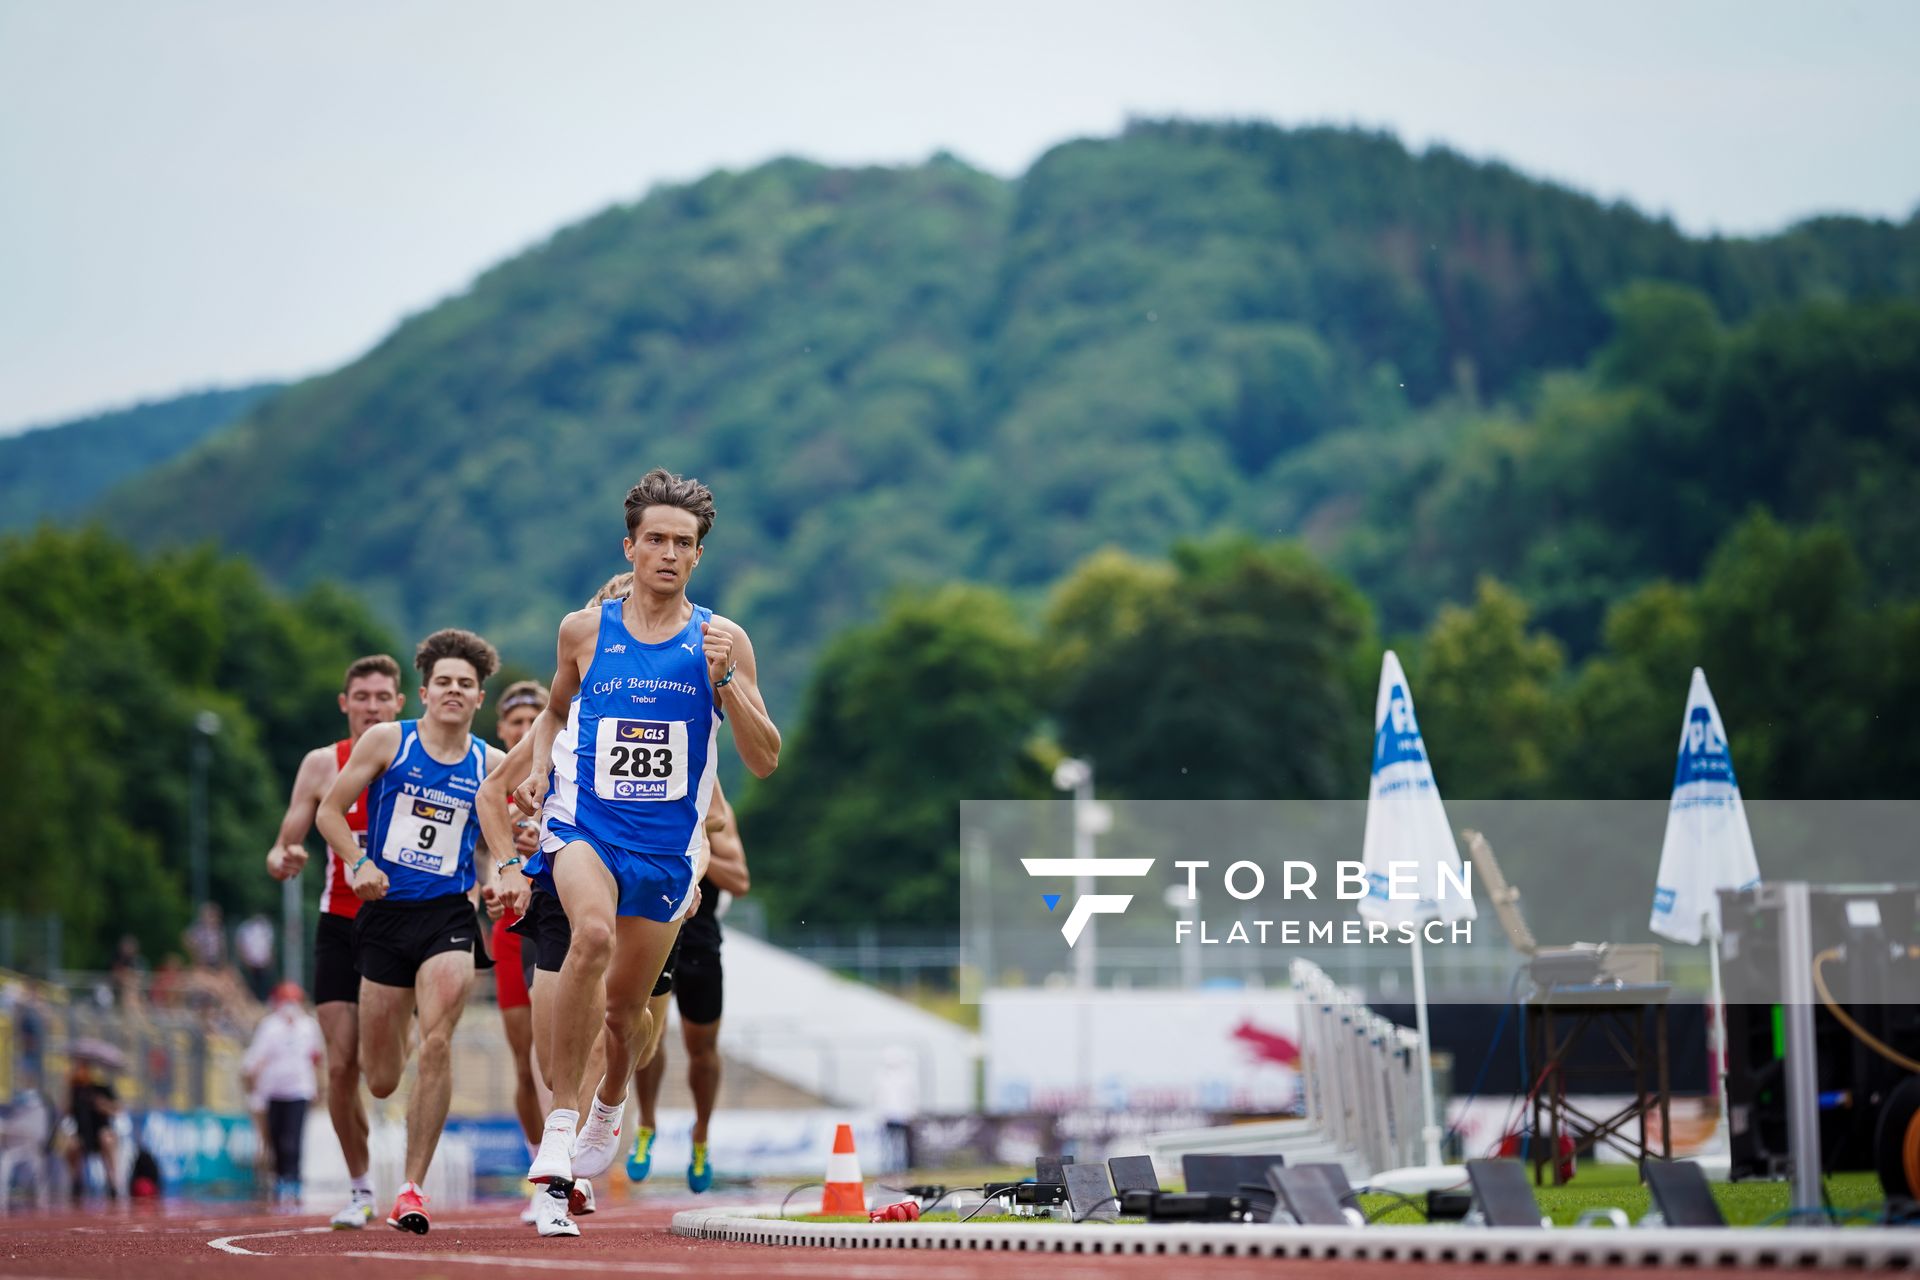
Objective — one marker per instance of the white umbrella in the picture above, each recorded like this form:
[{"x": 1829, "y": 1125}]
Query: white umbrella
[
  {"x": 1708, "y": 847},
  {"x": 1413, "y": 865}
]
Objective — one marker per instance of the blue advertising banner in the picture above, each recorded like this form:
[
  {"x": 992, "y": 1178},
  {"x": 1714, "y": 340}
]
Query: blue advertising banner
[{"x": 201, "y": 1151}]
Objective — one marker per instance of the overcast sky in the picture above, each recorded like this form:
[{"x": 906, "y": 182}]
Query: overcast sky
[{"x": 198, "y": 192}]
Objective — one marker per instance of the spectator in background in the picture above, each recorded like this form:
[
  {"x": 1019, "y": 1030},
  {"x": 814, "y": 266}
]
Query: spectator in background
[
  {"x": 128, "y": 972},
  {"x": 88, "y": 1128},
  {"x": 253, "y": 943},
  {"x": 282, "y": 1068},
  {"x": 205, "y": 941},
  {"x": 169, "y": 985}
]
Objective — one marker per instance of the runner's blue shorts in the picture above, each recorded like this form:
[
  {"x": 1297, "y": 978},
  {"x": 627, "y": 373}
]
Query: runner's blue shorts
[{"x": 656, "y": 886}]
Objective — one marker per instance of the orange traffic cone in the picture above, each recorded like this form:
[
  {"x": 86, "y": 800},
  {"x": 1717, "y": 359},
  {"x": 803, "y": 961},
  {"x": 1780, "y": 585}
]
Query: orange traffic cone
[{"x": 845, "y": 1192}]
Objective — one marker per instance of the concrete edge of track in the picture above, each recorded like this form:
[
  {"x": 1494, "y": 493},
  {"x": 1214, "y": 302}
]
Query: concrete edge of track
[{"x": 1854, "y": 1249}]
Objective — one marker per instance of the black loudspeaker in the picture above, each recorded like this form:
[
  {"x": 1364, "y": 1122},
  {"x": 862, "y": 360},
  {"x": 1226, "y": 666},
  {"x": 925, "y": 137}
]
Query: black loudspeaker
[{"x": 1865, "y": 951}]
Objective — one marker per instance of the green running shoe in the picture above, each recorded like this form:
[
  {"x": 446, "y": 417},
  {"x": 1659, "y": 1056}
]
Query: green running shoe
[
  {"x": 640, "y": 1163},
  {"x": 699, "y": 1171}
]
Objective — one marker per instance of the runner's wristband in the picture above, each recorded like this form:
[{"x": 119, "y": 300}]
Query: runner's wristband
[
  {"x": 500, "y": 867},
  {"x": 356, "y": 866},
  {"x": 721, "y": 683}
]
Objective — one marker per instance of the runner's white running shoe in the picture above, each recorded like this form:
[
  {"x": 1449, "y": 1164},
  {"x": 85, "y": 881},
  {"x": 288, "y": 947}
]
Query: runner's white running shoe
[
  {"x": 555, "y": 1157},
  {"x": 551, "y": 1211},
  {"x": 580, "y": 1199},
  {"x": 357, "y": 1215},
  {"x": 599, "y": 1142}
]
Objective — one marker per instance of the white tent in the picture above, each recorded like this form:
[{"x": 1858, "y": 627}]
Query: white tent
[
  {"x": 1407, "y": 847},
  {"x": 1708, "y": 847}
]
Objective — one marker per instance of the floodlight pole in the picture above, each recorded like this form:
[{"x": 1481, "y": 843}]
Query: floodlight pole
[
  {"x": 1085, "y": 955},
  {"x": 1430, "y": 1127},
  {"x": 1717, "y": 1042},
  {"x": 205, "y": 725},
  {"x": 1803, "y": 1076}
]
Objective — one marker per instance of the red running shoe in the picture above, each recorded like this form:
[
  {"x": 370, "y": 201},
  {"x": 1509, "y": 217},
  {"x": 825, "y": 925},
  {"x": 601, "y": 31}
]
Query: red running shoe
[{"x": 410, "y": 1211}]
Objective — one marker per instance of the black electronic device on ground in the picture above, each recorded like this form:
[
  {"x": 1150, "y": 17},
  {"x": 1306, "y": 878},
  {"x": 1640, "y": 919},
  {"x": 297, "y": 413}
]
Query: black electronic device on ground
[
  {"x": 1089, "y": 1193},
  {"x": 1304, "y": 1196},
  {"x": 1226, "y": 1174},
  {"x": 1133, "y": 1173},
  {"x": 1184, "y": 1206},
  {"x": 1336, "y": 1176},
  {"x": 1501, "y": 1194},
  {"x": 1680, "y": 1195}
]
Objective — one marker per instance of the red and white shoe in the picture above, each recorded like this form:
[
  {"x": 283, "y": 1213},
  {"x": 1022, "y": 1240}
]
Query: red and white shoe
[
  {"x": 410, "y": 1211},
  {"x": 580, "y": 1199}
]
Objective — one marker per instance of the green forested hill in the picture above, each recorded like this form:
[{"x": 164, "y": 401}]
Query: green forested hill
[
  {"x": 894, "y": 377},
  {"x": 57, "y": 471}
]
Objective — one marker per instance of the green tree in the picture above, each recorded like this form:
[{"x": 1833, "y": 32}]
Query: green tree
[
  {"x": 1237, "y": 683},
  {"x": 106, "y": 661},
  {"x": 1488, "y": 698},
  {"x": 1803, "y": 665},
  {"x": 905, "y": 718}
]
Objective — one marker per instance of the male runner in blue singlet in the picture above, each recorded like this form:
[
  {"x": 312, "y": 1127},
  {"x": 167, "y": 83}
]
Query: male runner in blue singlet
[
  {"x": 415, "y": 933},
  {"x": 623, "y": 760}
]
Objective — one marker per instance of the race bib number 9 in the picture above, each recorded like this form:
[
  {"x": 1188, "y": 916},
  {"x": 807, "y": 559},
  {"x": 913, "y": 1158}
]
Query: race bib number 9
[
  {"x": 640, "y": 760},
  {"x": 425, "y": 835}
]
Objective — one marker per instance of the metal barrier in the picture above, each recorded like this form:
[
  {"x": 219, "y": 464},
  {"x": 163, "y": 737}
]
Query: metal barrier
[
  {"x": 1360, "y": 1084},
  {"x": 1359, "y": 1072}
]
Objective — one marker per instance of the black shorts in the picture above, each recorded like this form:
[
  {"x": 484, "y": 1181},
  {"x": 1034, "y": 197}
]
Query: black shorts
[
  {"x": 663, "y": 985},
  {"x": 335, "y": 975},
  {"x": 545, "y": 924},
  {"x": 393, "y": 939},
  {"x": 697, "y": 980}
]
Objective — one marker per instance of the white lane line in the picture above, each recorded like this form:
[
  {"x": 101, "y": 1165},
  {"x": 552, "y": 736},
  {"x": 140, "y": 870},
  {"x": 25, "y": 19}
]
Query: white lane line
[
  {"x": 708, "y": 1266},
  {"x": 226, "y": 1243}
]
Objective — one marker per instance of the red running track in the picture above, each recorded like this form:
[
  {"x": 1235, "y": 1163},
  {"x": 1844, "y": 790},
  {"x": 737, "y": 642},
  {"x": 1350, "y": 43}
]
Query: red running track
[{"x": 488, "y": 1242}]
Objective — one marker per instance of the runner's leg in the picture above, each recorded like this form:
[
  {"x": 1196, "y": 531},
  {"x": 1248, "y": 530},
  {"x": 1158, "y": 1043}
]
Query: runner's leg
[
  {"x": 588, "y": 894},
  {"x": 703, "y": 1070},
  {"x": 340, "y": 1029},
  {"x": 653, "y": 1063},
  {"x": 443, "y": 984},
  {"x": 517, "y": 1022},
  {"x": 384, "y": 1015},
  {"x": 640, "y": 949}
]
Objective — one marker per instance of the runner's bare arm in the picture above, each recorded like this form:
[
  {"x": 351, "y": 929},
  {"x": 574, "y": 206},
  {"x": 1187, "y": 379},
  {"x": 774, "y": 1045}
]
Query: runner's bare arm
[
  {"x": 754, "y": 734},
  {"x": 727, "y": 867},
  {"x": 288, "y": 857},
  {"x": 502, "y": 822},
  {"x": 577, "y": 632},
  {"x": 483, "y": 848},
  {"x": 369, "y": 759}
]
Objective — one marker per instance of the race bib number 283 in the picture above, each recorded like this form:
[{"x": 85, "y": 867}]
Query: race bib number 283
[{"x": 640, "y": 760}]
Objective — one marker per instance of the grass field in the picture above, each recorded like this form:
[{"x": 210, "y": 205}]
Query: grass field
[
  {"x": 1854, "y": 1197},
  {"x": 1610, "y": 1186}
]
